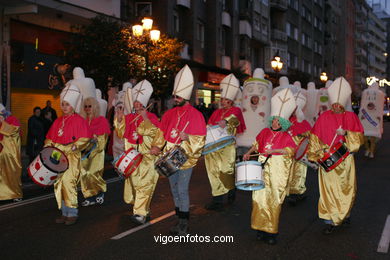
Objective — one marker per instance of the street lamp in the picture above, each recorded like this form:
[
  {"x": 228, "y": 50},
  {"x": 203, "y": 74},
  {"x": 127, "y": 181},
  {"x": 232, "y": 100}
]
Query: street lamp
[
  {"x": 150, "y": 37},
  {"x": 323, "y": 77},
  {"x": 276, "y": 63}
]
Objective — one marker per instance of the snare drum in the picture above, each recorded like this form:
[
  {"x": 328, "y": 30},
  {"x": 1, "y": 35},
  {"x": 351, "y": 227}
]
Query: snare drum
[
  {"x": 337, "y": 153},
  {"x": 127, "y": 162},
  {"x": 249, "y": 176},
  {"x": 216, "y": 138},
  {"x": 46, "y": 167},
  {"x": 300, "y": 154},
  {"x": 171, "y": 161}
]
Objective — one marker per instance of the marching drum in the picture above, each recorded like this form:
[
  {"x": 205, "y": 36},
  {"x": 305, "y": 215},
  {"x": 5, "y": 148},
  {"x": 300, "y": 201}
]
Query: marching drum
[
  {"x": 337, "y": 153},
  {"x": 47, "y": 166},
  {"x": 216, "y": 138},
  {"x": 127, "y": 162},
  {"x": 249, "y": 176},
  {"x": 301, "y": 156},
  {"x": 171, "y": 161}
]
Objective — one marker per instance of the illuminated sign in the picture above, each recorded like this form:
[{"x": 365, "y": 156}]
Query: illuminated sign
[{"x": 382, "y": 82}]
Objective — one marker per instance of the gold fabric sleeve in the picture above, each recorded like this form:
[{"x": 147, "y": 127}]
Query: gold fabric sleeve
[
  {"x": 65, "y": 187},
  {"x": 290, "y": 152},
  {"x": 92, "y": 182},
  {"x": 10, "y": 163},
  {"x": 316, "y": 148},
  {"x": 232, "y": 124},
  {"x": 147, "y": 128},
  {"x": 120, "y": 127},
  {"x": 354, "y": 140},
  {"x": 159, "y": 140}
]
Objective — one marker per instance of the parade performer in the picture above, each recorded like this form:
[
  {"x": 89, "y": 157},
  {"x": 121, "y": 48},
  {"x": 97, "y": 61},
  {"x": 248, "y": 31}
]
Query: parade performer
[
  {"x": 85, "y": 85},
  {"x": 337, "y": 186},
  {"x": 138, "y": 130},
  {"x": 93, "y": 186},
  {"x": 10, "y": 157},
  {"x": 371, "y": 117},
  {"x": 256, "y": 107},
  {"x": 276, "y": 148},
  {"x": 310, "y": 110},
  {"x": 192, "y": 141},
  {"x": 220, "y": 164},
  {"x": 300, "y": 129},
  {"x": 70, "y": 134}
]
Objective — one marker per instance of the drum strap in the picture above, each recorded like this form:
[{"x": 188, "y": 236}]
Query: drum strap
[{"x": 263, "y": 164}]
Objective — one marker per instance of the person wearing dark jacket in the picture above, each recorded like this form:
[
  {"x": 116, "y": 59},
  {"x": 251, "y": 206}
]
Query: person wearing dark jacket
[{"x": 35, "y": 135}]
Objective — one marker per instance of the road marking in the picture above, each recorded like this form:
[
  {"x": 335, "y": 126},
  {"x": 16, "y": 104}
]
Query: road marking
[
  {"x": 153, "y": 221},
  {"x": 383, "y": 246},
  {"x": 43, "y": 197}
]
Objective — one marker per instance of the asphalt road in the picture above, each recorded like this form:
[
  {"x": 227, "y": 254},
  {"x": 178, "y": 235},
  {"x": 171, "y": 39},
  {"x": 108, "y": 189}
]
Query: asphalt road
[{"x": 28, "y": 230}]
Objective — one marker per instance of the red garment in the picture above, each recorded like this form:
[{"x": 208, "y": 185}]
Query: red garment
[
  {"x": 222, "y": 113},
  {"x": 12, "y": 121},
  {"x": 270, "y": 140},
  {"x": 99, "y": 126},
  {"x": 328, "y": 122},
  {"x": 132, "y": 124},
  {"x": 298, "y": 128},
  {"x": 75, "y": 127},
  {"x": 177, "y": 117}
]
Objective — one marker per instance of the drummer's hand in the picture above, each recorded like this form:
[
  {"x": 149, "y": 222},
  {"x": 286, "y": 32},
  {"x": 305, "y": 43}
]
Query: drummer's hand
[
  {"x": 154, "y": 150},
  {"x": 246, "y": 157},
  {"x": 1, "y": 119},
  {"x": 222, "y": 123},
  {"x": 340, "y": 131},
  {"x": 74, "y": 148},
  {"x": 142, "y": 112},
  {"x": 119, "y": 113},
  {"x": 183, "y": 136},
  {"x": 94, "y": 139}
]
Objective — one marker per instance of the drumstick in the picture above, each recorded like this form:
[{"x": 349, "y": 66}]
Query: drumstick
[
  {"x": 334, "y": 138},
  {"x": 140, "y": 114},
  {"x": 177, "y": 139}
]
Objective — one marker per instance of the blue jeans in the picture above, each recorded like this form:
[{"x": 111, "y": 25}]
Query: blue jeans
[
  {"x": 69, "y": 212},
  {"x": 179, "y": 183}
]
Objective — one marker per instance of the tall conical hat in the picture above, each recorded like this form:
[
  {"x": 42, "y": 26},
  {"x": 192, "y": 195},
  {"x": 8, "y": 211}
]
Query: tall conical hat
[
  {"x": 72, "y": 95},
  {"x": 298, "y": 84},
  {"x": 300, "y": 100},
  {"x": 141, "y": 92},
  {"x": 184, "y": 82},
  {"x": 102, "y": 102},
  {"x": 230, "y": 85},
  {"x": 127, "y": 100},
  {"x": 339, "y": 92},
  {"x": 2, "y": 107},
  {"x": 258, "y": 73},
  {"x": 283, "y": 104}
]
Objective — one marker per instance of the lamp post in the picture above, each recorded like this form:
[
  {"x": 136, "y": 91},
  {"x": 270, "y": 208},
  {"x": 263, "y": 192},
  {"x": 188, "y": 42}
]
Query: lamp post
[
  {"x": 150, "y": 37},
  {"x": 277, "y": 64},
  {"x": 323, "y": 77}
]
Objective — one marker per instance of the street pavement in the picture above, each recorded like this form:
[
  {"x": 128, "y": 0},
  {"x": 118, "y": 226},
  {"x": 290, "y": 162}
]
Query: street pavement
[{"x": 28, "y": 230}]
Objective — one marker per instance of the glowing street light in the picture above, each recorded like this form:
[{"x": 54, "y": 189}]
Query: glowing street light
[
  {"x": 276, "y": 63},
  {"x": 323, "y": 77}
]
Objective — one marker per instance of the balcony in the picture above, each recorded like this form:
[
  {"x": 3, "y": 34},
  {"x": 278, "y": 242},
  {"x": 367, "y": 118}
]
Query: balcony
[
  {"x": 245, "y": 28},
  {"x": 226, "y": 62},
  {"x": 246, "y": 66},
  {"x": 185, "y": 3},
  {"x": 279, "y": 4},
  {"x": 226, "y": 19},
  {"x": 278, "y": 35}
]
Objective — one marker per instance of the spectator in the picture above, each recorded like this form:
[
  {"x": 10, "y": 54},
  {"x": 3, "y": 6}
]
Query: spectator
[
  {"x": 49, "y": 108},
  {"x": 35, "y": 135},
  {"x": 47, "y": 122}
]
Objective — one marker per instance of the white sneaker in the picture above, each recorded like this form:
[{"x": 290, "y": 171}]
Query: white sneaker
[
  {"x": 87, "y": 203},
  {"x": 138, "y": 219},
  {"x": 366, "y": 153},
  {"x": 371, "y": 155}
]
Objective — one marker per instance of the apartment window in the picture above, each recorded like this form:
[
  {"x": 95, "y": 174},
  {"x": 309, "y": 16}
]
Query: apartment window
[
  {"x": 303, "y": 66},
  {"x": 295, "y": 64},
  {"x": 303, "y": 39},
  {"x": 256, "y": 23},
  {"x": 308, "y": 15},
  {"x": 176, "y": 23},
  {"x": 288, "y": 29},
  {"x": 296, "y": 33},
  {"x": 303, "y": 11},
  {"x": 200, "y": 34},
  {"x": 288, "y": 59},
  {"x": 308, "y": 67},
  {"x": 265, "y": 2},
  {"x": 143, "y": 9}
]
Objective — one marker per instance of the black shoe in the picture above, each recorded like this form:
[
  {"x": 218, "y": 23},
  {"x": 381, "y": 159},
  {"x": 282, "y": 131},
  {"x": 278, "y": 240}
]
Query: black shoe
[
  {"x": 214, "y": 206},
  {"x": 329, "y": 229},
  {"x": 292, "y": 200},
  {"x": 301, "y": 197},
  {"x": 231, "y": 196},
  {"x": 270, "y": 239},
  {"x": 260, "y": 235}
]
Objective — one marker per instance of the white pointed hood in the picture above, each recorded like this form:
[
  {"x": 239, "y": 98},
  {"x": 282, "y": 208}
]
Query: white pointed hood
[
  {"x": 142, "y": 92},
  {"x": 184, "y": 82},
  {"x": 230, "y": 86}
]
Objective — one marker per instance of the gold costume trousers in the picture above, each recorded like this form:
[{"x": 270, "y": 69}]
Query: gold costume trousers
[
  {"x": 370, "y": 143},
  {"x": 267, "y": 202},
  {"x": 220, "y": 166},
  {"x": 10, "y": 173},
  {"x": 297, "y": 178},
  {"x": 337, "y": 191},
  {"x": 140, "y": 186}
]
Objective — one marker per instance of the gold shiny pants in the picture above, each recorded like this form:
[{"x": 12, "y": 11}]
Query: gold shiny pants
[
  {"x": 297, "y": 178},
  {"x": 370, "y": 143}
]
